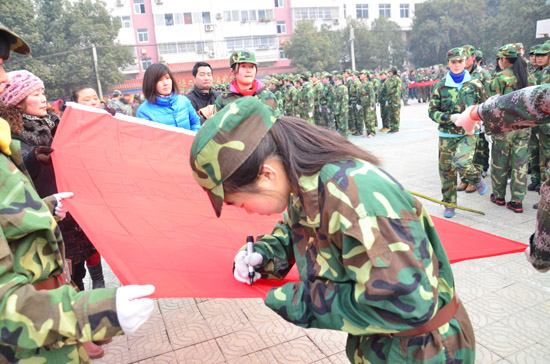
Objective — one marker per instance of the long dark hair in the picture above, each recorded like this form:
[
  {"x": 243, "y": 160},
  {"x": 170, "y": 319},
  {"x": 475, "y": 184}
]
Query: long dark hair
[
  {"x": 303, "y": 149},
  {"x": 152, "y": 75},
  {"x": 519, "y": 67}
]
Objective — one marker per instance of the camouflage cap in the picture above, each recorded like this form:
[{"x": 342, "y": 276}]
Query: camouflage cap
[
  {"x": 242, "y": 57},
  {"x": 338, "y": 77},
  {"x": 364, "y": 72},
  {"x": 17, "y": 44},
  {"x": 326, "y": 74},
  {"x": 543, "y": 49},
  {"x": 317, "y": 74},
  {"x": 534, "y": 48},
  {"x": 456, "y": 54},
  {"x": 225, "y": 142},
  {"x": 507, "y": 51},
  {"x": 517, "y": 46},
  {"x": 479, "y": 54},
  {"x": 468, "y": 50}
]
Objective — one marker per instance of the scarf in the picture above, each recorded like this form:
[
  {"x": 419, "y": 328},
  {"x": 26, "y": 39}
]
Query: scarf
[
  {"x": 458, "y": 78},
  {"x": 39, "y": 130},
  {"x": 249, "y": 92}
]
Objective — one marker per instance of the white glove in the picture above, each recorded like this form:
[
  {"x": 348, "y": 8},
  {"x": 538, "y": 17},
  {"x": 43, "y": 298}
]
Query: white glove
[
  {"x": 465, "y": 120},
  {"x": 132, "y": 310},
  {"x": 310, "y": 114},
  {"x": 61, "y": 209},
  {"x": 320, "y": 109},
  {"x": 329, "y": 110},
  {"x": 242, "y": 261},
  {"x": 358, "y": 107},
  {"x": 372, "y": 108},
  {"x": 488, "y": 138}
]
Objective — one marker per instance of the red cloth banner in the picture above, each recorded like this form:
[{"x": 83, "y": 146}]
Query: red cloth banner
[
  {"x": 425, "y": 83},
  {"x": 136, "y": 199}
]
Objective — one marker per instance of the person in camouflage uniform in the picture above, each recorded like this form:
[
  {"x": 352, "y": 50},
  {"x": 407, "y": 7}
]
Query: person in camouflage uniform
[
  {"x": 274, "y": 88},
  {"x": 305, "y": 100},
  {"x": 340, "y": 106},
  {"x": 290, "y": 96},
  {"x": 405, "y": 86},
  {"x": 456, "y": 149},
  {"x": 525, "y": 108},
  {"x": 325, "y": 102},
  {"x": 43, "y": 318},
  {"x": 393, "y": 96},
  {"x": 367, "y": 101},
  {"x": 317, "y": 88},
  {"x": 534, "y": 148},
  {"x": 369, "y": 259},
  {"x": 383, "y": 101},
  {"x": 510, "y": 154},
  {"x": 423, "y": 91},
  {"x": 355, "y": 125},
  {"x": 244, "y": 67},
  {"x": 543, "y": 61}
]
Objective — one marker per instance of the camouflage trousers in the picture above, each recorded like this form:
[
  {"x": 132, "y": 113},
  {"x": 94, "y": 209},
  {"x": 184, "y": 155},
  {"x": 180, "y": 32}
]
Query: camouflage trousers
[
  {"x": 456, "y": 156},
  {"x": 342, "y": 123},
  {"x": 534, "y": 155},
  {"x": 317, "y": 118},
  {"x": 544, "y": 154},
  {"x": 481, "y": 156},
  {"x": 452, "y": 343},
  {"x": 368, "y": 116},
  {"x": 327, "y": 119},
  {"x": 424, "y": 94},
  {"x": 405, "y": 96},
  {"x": 304, "y": 114},
  {"x": 510, "y": 157},
  {"x": 384, "y": 113},
  {"x": 394, "y": 114},
  {"x": 540, "y": 240},
  {"x": 355, "y": 123}
]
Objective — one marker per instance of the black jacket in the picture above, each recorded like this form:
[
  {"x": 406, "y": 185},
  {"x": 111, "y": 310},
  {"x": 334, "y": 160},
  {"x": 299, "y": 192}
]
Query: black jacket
[{"x": 201, "y": 99}]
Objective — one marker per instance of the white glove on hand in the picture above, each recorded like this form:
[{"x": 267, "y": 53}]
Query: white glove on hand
[
  {"x": 464, "y": 120},
  {"x": 310, "y": 114},
  {"x": 242, "y": 261},
  {"x": 320, "y": 109},
  {"x": 132, "y": 310},
  {"x": 358, "y": 107},
  {"x": 61, "y": 209},
  {"x": 488, "y": 138}
]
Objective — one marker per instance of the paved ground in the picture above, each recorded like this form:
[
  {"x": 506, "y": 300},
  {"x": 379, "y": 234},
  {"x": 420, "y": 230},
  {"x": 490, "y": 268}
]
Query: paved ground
[{"x": 508, "y": 301}]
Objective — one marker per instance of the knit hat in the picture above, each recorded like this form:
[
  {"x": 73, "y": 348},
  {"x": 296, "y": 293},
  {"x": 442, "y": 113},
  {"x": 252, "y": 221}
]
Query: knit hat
[
  {"x": 226, "y": 141},
  {"x": 20, "y": 85}
]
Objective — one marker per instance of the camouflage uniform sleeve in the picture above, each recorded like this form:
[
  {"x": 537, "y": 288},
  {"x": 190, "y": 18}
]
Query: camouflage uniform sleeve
[
  {"x": 434, "y": 110},
  {"x": 31, "y": 250},
  {"x": 497, "y": 86},
  {"x": 540, "y": 241},
  {"x": 524, "y": 108}
]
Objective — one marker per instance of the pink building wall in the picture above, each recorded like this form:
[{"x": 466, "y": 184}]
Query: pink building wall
[
  {"x": 145, "y": 21},
  {"x": 284, "y": 14}
]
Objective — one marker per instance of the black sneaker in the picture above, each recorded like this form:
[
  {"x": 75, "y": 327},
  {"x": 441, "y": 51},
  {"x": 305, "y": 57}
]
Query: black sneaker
[
  {"x": 517, "y": 207},
  {"x": 532, "y": 186},
  {"x": 536, "y": 206},
  {"x": 498, "y": 201},
  {"x": 537, "y": 189}
]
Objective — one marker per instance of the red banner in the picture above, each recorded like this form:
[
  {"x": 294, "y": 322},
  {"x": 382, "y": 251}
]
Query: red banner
[
  {"x": 136, "y": 199},
  {"x": 425, "y": 83}
]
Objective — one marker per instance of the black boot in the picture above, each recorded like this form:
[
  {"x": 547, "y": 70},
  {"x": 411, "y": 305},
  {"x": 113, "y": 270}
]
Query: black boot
[{"x": 96, "y": 273}]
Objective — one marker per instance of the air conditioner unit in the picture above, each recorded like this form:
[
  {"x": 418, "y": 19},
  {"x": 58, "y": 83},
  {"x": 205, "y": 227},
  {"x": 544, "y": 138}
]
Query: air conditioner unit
[
  {"x": 161, "y": 59},
  {"x": 211, "y": 54},
  {"x": 208, "y": 27},
  {"x": 219, "y": 16},
  {"x": 159, "y": 2},
  {"x": 119, "y": 2},
  {"x": 263, "y": 47},
  {"x": 335, "y": 21}
]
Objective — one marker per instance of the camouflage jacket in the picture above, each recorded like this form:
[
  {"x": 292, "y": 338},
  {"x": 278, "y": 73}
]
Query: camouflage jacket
[
  {"x": 317, "y": 92},
  {"x": 505, "y": 82},
  {"x": 262, "y": 94},
  {"x": 368, "y": 256},
  {"x": 393, "y": 88},
  {"x": 340, "y": 104},
  {"x": 447, "y": 100},
  {"x": 327, "y": 95},
  {"x": 305, "y": 98},
  {"x": 478, "y": 73},
  {"x": 354, "y": 91},
  {"x": 544, "y": 76},
  {"x": 525, "y": 108},
  {"x": 367, "y": 96},
  {"x": 405, "y": 82},
  {"x": 41, "y": 326}
]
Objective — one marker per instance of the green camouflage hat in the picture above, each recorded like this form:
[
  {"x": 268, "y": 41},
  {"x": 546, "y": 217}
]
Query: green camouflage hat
[
  {"x": 479, "y": 54},
  {"x": 325, "y": 74},
  {"x": 242, "y": 57},
  {"x": 507, "y": 51},
  {"x": 543, "y": 49},
  {"x": 338, "y": 77},
  {"x": 365, "y": 72},
  {"x": 225, "y": 142},
  {"x": 517, "y": 46},
  {"x": 17, "y": 44},
  {"x": 534, "y": 48},
  {"x": 317, "y": 74},
  {"x": 468, "y": 50},
  {"x": 456, "y": 54}
]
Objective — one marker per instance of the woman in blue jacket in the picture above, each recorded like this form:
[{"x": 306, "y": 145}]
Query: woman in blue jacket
[{"x": 163, "y": 104}]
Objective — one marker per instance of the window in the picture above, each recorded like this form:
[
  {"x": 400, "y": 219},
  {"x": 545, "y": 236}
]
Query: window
[
  {"x": 227, "y": 15},
  {"x": 385, "y": 10},
  {"x": 244, "y": 15},
  {"x": 281, "y": 27},
  {"x": 179, "y": 18},
  {"x": 146, "y": 62},
  {"x": 168, "y": 19},
  {"x": 126, "y": 21},
  {"x": 258, "y": 42},
  {"x": 362, "y": 11},
  {"x": 187, "y": 18},
  {"x": 159, "y": 20},
  {"x": 235, "y": 15},
  {"x": 281, "y": 53},
  {"x": 139, "y": 6},
  {"x": 279, "y": 3},
  {"x": 404, "y": 10},
  {"x": 143, "y": 35},
  {"x": 315, "y": 13},
  {"x": 206, "y": 17},
  {"x": 252, "y": 15}
]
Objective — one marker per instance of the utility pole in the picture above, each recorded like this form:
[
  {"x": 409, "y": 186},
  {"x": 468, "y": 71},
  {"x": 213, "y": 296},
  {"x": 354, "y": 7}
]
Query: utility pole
[
  {"x": 97, "y": 73},
  {"x": 351, "y": 39}
]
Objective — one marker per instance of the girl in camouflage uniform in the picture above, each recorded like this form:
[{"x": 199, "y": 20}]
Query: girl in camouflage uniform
[
  {"x": 510, "y": 151},
  {"x": 369, "y": 259}
]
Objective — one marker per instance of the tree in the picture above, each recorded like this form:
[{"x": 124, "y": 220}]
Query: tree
[
  {"x": 387, "y": 47},
  {"x": 61, "y": 35},
  {"x": 313, "y": 50}
]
